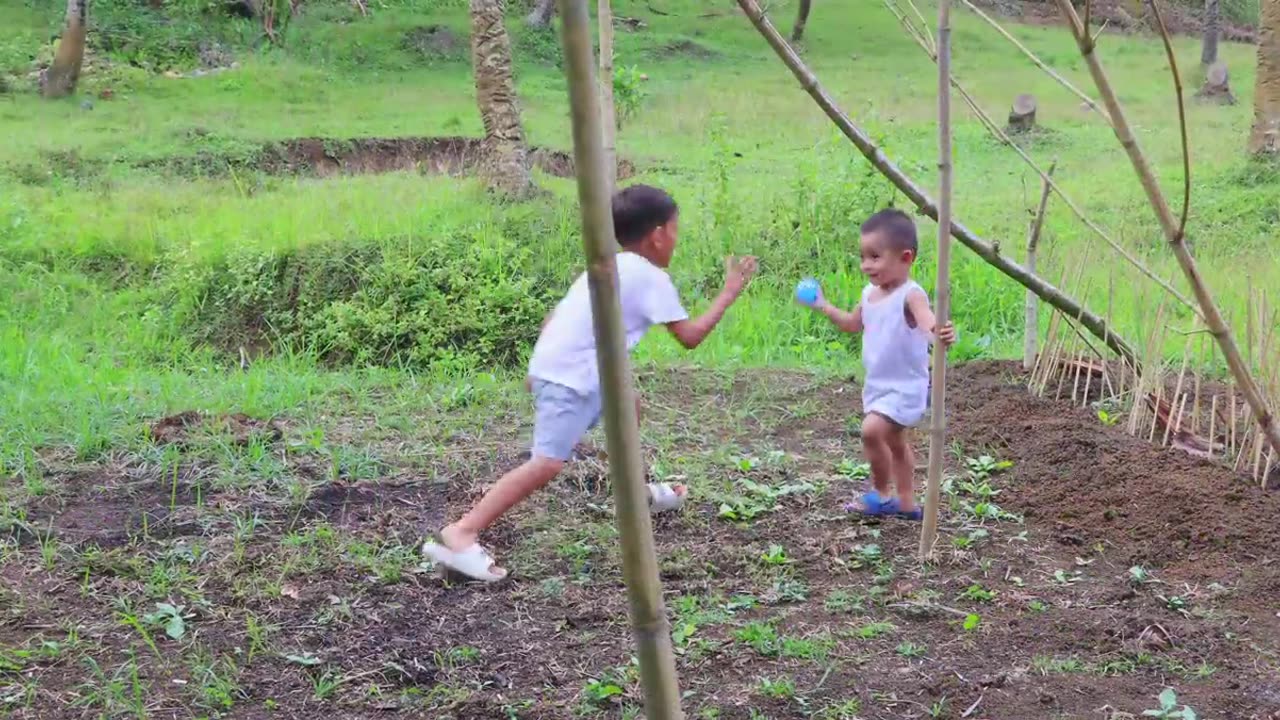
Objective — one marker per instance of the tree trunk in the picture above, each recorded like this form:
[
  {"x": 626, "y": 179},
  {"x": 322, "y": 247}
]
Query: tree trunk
[
  {"x": 542, "y": 13},
  {"x": 1022, "y": 114},
  {"x": 60, "y": 79},
  {"x": 802, "y": 18},
  {"x": 507, "y": 161},
  {"x": 1217, "y": 86},
  {"x": 608, "y": 111},
  {"x": 1265, "y": 137},
  {"x": 1212, "y": 24}
]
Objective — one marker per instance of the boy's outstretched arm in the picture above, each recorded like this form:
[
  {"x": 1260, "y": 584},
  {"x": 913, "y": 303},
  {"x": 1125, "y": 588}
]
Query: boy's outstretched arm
[
  {"x": 918, "y": 307},
  {"x": 847, "y": 320},
  {"x": 737, "y": 272}
]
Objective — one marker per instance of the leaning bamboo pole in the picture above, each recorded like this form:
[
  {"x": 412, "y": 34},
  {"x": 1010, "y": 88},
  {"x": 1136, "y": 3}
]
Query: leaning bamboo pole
[
  {"x": 1031, "y": 309},
  {"x": 942, "y": 288},
  {"x": 1055, "y": 297},
  {"x": 626, "y": 466},
  {"x": 1004, "y": 138},
  {"x": 1173, "y": 227},
  {"x": 1088, "y": 101}
]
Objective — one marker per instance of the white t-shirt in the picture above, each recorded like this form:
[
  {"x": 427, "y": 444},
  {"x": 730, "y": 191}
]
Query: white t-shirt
[{"x": 566, "y": 351}]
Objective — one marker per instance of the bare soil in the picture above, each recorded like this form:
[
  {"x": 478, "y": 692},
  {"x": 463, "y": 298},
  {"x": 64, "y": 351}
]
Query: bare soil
[
  {"x": 1123, "y": 16},
  {"x": 857, "y": 632}
]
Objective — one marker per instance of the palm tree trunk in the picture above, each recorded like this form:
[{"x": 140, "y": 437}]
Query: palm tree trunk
[
  {"x": 1265, "y": 136},
  {"x": 802, "y": 18},
  {"x": 60, "y": 79},
  {"x": 608, "y": 111},
  {"x": 506, "y": 166},
  {"x": 1212, "y": 25}
]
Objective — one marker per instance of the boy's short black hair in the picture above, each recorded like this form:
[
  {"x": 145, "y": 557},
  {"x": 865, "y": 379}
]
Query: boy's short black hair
[
  {"x": 638, "y": 209},
  {"x": 897, "y": 228}
]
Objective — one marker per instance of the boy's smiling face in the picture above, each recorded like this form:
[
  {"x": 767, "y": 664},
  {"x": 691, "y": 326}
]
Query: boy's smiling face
[{"x": 883, "y": 264}]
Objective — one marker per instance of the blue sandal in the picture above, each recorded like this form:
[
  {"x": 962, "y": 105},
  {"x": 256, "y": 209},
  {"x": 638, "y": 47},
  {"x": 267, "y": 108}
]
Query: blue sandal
[
  {"x": 872, "y": 505},
  {"x": 915, "y": 514}
]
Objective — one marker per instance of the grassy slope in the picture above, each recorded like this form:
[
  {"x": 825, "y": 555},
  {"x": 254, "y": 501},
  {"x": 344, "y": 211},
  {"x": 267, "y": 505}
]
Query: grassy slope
[{"x": 755, "y": 165}]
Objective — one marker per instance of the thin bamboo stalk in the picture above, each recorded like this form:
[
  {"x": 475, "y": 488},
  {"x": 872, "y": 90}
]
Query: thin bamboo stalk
[
  {"x": 1031, "y": 306},
  {"x": 942, "y": 290},
  {"x": 1258, "y": 445},
  {"x": 1096, "y": 325},
  {"x": 1088, "y": 381},
  {"x": 1174, "y": 228},
  {"x": 1195, "y": 410},
  {"x": 1093, "y": 104},
  {"x": 924, "y": 25},
  {"x": 608, "y": 111},
  {"x": 1213, "y": 419},
  {"x": 626, "y": 466},
  {"x": 1004, "y": 138},
  {"x": 1182, "y": 374},
  {"x": 1182, "y": 410},
  {"x": 1232, "y": 448}
]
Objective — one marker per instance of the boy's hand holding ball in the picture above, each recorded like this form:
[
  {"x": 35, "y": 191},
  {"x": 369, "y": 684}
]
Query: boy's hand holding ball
[{"x": 809, "y": 293}]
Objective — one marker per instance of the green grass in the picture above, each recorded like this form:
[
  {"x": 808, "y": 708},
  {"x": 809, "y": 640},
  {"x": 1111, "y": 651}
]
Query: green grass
[{"x": 108, "y": 257}]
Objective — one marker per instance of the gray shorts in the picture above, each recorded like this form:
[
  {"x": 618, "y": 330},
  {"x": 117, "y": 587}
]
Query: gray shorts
[{"x": 562, "y": 416}]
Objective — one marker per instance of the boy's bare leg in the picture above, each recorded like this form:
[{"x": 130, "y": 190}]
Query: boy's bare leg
[
  {"x": 904, "y": 468},
  {"x": 510, "y": 490},
  {"x": 876, "y": 432}
]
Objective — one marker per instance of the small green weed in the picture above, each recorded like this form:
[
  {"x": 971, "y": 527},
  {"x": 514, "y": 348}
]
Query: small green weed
[
  {"x": 778, "y": 689},
  {"x": 1170, "y": 709},
  {"x": 977, "y": 593},
  {"x": 874, "y": 630},
  {"x": 909, "y": 649}
]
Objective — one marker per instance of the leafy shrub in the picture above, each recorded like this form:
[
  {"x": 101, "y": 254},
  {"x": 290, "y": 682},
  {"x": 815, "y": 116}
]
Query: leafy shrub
[{"x": 453, "y": 299}]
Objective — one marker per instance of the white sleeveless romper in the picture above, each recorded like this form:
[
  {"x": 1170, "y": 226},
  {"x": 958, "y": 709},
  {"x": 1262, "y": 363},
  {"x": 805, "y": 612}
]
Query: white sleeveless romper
[{"x": 895, "y": 357}]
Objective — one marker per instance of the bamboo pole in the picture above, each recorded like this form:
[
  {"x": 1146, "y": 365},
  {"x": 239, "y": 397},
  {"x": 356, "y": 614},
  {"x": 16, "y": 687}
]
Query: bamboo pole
[
  {"x": 1031, "y": 317},
  {"x": 626, "y": 466},
  {"x": 1096, "y": 325},
  {"x": 608, "y": 110},
  {"x": 942, "y": 289},
  {"x": 1174, "y": 228}
]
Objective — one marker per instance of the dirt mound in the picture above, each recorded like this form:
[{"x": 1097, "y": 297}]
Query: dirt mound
[
  {"x": 684, "y": 49},
  {"x": 178, "y": 429},
  {"x": 326, "y": 157},
  {"x": 1122, "y": 16},
  {"x": 1099, "y": 484}
]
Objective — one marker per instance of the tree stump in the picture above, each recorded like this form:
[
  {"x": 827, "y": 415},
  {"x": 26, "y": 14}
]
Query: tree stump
[
  {"x": 1217, "y": 86},
  {"x": 1022, "y": 116}
]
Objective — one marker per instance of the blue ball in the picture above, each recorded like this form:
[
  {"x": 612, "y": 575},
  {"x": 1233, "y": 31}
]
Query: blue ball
[{"x": 807, "y": 291}]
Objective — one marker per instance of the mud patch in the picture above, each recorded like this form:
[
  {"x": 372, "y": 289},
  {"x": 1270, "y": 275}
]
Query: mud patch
[
  {"x": 1122, "y": 16},
  {"x": 686, "y": 49},
  {"x": 105, "y": 508},
  {"x": 179, "y": 429},
  {"x": 328, "y": 157}
]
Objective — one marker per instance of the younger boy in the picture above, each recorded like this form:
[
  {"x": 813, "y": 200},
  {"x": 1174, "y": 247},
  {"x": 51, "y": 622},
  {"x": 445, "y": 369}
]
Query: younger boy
[
  {"x": 897, "y": 326},
  {"x": 563, "y": 371}
]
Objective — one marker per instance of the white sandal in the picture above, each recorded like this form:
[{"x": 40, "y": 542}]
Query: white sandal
[
  {"x": 474, "y": 562},
  {"x": 664, "y": 498}
]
